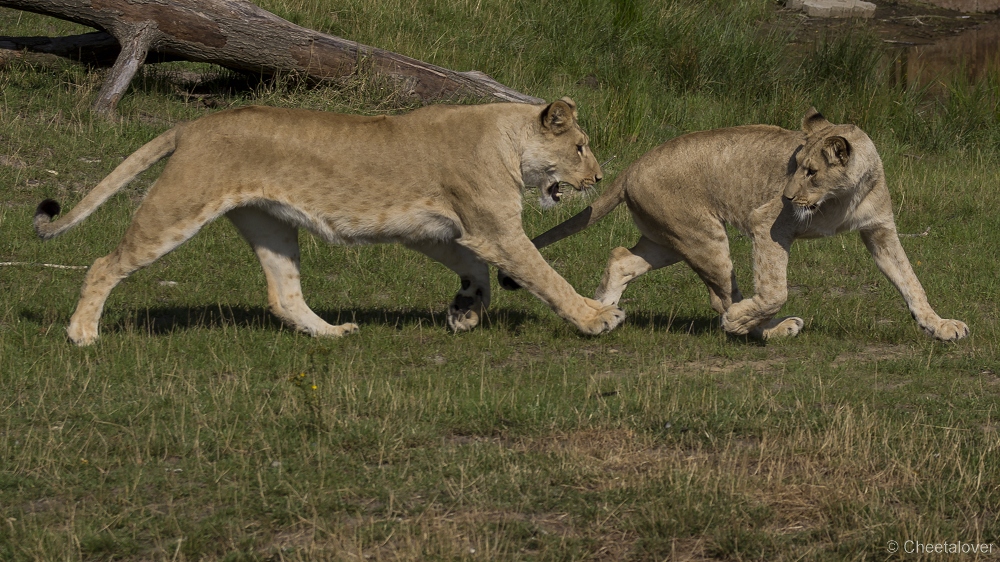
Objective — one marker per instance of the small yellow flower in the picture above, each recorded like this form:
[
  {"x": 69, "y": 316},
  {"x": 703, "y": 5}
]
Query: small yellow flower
[
  {"x": 314, "y": 387},
  {"x": 84, "y": 461}
]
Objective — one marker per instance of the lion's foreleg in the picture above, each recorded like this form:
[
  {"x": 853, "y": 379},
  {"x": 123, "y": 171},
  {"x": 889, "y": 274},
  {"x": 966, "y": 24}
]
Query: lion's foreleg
[
  {"x": 515, "y": 254},
  {"x": 473, "y": 298},
  {"x": 883, "y": 243}
]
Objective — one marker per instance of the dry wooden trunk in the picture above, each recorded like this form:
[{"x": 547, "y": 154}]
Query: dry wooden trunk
[{"x": 237, "y": 35}]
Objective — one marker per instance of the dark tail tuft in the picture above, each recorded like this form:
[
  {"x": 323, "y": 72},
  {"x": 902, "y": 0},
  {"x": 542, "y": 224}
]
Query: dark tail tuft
[
  {"x": 43, "y": 216},
  {"x": 50, "y": 208}
]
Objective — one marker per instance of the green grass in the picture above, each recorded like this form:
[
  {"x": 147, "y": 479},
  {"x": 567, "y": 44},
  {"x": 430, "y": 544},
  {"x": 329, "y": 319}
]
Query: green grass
[{"x": 199, "y": 428}]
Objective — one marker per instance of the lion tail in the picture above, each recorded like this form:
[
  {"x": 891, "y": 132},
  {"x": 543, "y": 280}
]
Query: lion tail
[
  {"x": 604, "y": 204},
  {"x": 150, "y": 153}
]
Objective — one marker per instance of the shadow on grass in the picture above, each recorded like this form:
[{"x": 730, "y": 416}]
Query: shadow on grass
[
  {"x": 165, "y": 320},
  {"x": 159, "y": 321},
  {"x": 204, "y": 86},
  {"x": 692, "y": 325}
]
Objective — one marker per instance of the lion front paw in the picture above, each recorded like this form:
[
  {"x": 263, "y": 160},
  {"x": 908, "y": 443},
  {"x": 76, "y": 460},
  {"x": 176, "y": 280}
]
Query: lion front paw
[
  {"x": 604, "y": 319},
  {"x": 946, "y": 329}
]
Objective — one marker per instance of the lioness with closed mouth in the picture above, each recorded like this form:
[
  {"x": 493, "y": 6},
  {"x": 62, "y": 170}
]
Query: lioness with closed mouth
[
  {"x": 443, "y": 180},
  {"x": 775, "y": 186}
]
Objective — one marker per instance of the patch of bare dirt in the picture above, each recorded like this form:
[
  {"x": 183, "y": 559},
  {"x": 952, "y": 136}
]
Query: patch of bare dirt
[
  {"x": 872, "y": 353},
  {"x": 720, "y": 365}
]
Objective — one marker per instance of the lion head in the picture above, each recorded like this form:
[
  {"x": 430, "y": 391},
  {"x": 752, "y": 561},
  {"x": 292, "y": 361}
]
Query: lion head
[
  {"x": 559, "y": 153},
  {"x": 833, "y": 164}
]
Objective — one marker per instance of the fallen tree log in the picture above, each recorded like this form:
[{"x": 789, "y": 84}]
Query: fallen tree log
[{"x": 237, "y": 35}]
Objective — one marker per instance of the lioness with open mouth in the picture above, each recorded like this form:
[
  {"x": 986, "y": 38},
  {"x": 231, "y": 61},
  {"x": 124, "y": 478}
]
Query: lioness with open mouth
[{"x": 446, "y": 181}]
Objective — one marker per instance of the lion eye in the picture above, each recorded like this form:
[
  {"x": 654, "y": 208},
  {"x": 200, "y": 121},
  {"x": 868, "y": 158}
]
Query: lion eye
[
  {"x": 810, "y": 173},
  {"x": 579, "y": 149}
]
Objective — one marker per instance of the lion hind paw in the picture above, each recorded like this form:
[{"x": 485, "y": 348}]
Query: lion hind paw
[
  {"x": 782, "y": 328},
  {"x": 336, "y": 331},
  {"x": 461, "y": 320}
]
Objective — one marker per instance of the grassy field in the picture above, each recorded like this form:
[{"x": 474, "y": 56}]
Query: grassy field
[{"x": 199, "y": 428}]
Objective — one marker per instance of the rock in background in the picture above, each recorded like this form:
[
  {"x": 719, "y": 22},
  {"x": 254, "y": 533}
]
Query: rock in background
[{"x": 833, "y": 8}]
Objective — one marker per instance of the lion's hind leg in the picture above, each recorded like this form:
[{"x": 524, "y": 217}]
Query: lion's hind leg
[
  {"x": 711, "y": 260},
  {"x": 153, "y": 233},
  {"x": 276, "y": 244},
  {"x": 625, "y": 265},
  {"x": 103, "y": 276},
  {"x": 755, "y": 315},
  {"x": 473, "y": 298},
  {"x": 705, "y": 248}
]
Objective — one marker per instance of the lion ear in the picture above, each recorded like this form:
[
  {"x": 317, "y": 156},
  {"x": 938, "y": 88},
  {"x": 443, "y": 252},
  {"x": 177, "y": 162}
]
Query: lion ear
[
  {"x": 572, "y": 105},
  {"x": 837, "y": 150},
  {"x": 814, "y": 121},
  {"x": 558, "y": 117}
]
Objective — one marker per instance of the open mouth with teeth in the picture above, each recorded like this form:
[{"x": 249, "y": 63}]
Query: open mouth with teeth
[{"x": 553, "y": 191}]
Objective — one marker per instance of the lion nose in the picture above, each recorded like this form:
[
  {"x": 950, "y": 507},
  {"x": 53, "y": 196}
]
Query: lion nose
[{"x": 598, "y": 177}]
